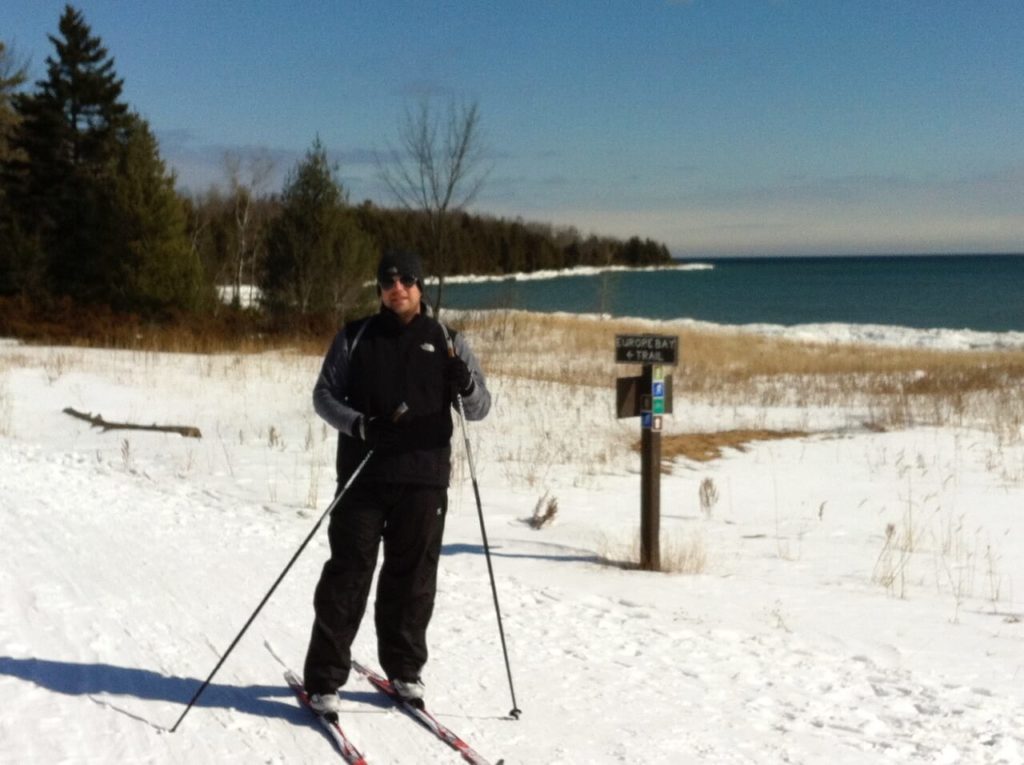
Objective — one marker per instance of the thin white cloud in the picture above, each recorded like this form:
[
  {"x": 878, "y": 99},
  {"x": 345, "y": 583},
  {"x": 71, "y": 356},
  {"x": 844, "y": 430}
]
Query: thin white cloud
[{"x": 199, "y": 167}]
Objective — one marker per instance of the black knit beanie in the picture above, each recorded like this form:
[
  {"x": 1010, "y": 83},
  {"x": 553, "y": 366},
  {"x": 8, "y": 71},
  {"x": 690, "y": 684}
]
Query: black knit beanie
[{"x": 398, "y": 263}]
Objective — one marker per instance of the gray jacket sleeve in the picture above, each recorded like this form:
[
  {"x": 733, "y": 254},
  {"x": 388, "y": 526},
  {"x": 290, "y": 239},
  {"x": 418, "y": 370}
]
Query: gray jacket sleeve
[
  {"x": 330, "y": 391},
  {"x": 478, "y": 402}
]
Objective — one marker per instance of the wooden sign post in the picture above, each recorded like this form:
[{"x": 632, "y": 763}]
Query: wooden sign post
[{"x": 649, "y": 397}]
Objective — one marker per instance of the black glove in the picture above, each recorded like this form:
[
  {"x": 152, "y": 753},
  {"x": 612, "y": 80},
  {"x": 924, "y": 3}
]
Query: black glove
[
  {"x": 460, "y": 380},
  {"x": 379, "y": 433}
]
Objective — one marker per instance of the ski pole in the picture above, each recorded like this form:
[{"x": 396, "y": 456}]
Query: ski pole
[
  {"x": 402, "y": 409},
  {"x": 270, "y": 592},
  {"x": 516, "y": 711}
]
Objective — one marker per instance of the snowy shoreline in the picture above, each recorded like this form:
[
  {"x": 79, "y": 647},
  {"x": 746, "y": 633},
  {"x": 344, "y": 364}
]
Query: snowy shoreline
[
  {"x": 559, "y": 273},
  {"x": 827, "y": 333},
  {"x": 895, "y": 336}
]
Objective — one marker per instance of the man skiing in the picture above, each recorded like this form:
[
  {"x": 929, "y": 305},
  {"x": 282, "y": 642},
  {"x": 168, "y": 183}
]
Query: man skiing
[{"x": 388, "y": 384}]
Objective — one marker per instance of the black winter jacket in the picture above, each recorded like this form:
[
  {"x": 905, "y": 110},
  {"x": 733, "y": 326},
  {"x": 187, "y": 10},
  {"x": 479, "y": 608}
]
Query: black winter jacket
[{"x": 373, "y": 366}]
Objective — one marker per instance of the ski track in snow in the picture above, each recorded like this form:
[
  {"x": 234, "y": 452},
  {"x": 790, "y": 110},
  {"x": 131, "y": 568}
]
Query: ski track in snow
[
  {"x": 125, "y": 574},
  {"x": 719, "y": 695}
]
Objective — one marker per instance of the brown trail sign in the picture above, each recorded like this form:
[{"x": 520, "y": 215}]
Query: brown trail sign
[{"x": 648, "y": 397}]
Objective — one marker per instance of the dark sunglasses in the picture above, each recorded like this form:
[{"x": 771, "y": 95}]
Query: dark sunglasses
[{"x": 405, "y": 280}]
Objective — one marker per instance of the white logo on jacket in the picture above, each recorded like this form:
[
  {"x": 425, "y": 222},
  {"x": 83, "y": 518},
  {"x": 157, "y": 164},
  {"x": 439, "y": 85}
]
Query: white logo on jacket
[{"x": 428, "y": 347}]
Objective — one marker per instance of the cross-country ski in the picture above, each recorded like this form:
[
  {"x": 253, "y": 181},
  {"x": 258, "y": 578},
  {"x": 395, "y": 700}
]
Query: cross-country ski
[
  {"x": 418, "y": 711},
  {"x": 330, "y": 723}
]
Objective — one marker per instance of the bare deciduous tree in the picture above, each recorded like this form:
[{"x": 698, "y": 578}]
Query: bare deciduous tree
[
  {"x": 438, "y": 168},
  {"x": 246, "y": 177}
]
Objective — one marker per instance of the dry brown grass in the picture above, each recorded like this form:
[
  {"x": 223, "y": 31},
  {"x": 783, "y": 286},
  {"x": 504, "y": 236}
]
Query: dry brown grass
[
  {"x": 894, "y": 387},
  {"x": 890, "y": 387},
  {"x": 584, "y": 347},
  {"x": 64, "y": 323},
  {"x": 705, "y": 447},
  {"x": 679, "y": 553}
]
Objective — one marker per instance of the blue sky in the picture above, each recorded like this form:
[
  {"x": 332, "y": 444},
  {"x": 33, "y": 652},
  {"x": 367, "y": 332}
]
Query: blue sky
[{"x": 720, "y": 127}]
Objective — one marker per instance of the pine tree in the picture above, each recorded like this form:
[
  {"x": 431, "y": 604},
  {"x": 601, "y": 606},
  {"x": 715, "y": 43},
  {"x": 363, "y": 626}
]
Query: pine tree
[
  {"x": 318, "y": 258},
  {"x": 94, "y": 206},
  {"x": 68, "y": 140},
  {"x": 12, "y": 271},
  {"x": 152, "y": 264}
]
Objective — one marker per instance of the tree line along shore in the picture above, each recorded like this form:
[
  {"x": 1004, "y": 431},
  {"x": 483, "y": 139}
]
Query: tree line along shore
[{"x": 93, "y": 228}]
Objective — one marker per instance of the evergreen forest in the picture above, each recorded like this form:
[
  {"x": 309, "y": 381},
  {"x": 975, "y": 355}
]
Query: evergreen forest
[{"x": 91, "y": 219}]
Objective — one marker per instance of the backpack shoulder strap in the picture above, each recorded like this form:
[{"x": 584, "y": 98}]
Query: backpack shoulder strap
[
  {"x": 449, "y": 336},
  {"x": 359, "y": 333}
]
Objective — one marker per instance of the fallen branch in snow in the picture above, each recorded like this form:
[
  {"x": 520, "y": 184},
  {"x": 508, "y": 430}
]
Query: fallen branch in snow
[{"x": 97, "y": 421}]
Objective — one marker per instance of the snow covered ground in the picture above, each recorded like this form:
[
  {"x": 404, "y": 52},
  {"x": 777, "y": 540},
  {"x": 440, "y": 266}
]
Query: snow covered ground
[{"x": 862, "y": 599}]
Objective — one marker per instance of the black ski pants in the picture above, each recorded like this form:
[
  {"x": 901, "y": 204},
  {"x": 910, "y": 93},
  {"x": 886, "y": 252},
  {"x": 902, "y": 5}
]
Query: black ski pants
[{"x": 409, "y": 519}]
